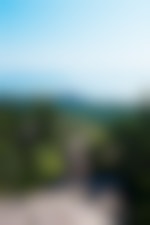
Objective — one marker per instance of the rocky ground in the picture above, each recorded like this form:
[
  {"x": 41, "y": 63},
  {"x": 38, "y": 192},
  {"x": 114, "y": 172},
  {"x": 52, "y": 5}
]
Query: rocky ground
[{"x": 59, "y": 207}]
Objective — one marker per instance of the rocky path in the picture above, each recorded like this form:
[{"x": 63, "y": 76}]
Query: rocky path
[{"x": 57, "y": 208}]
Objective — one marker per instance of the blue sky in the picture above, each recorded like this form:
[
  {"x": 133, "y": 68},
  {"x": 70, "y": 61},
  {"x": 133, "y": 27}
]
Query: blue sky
[{"x": 99, "y": 49}]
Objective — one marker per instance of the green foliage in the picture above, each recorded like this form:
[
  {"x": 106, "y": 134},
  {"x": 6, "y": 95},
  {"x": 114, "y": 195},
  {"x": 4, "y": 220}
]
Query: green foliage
[{"x": 49, "y": 163}]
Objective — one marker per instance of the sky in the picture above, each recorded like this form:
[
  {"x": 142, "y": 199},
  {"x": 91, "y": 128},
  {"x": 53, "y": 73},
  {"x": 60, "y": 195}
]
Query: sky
[{"x": 99, "y": 49}]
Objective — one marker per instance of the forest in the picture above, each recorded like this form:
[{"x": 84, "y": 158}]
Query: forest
[{"x": 36, "y": 138}]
